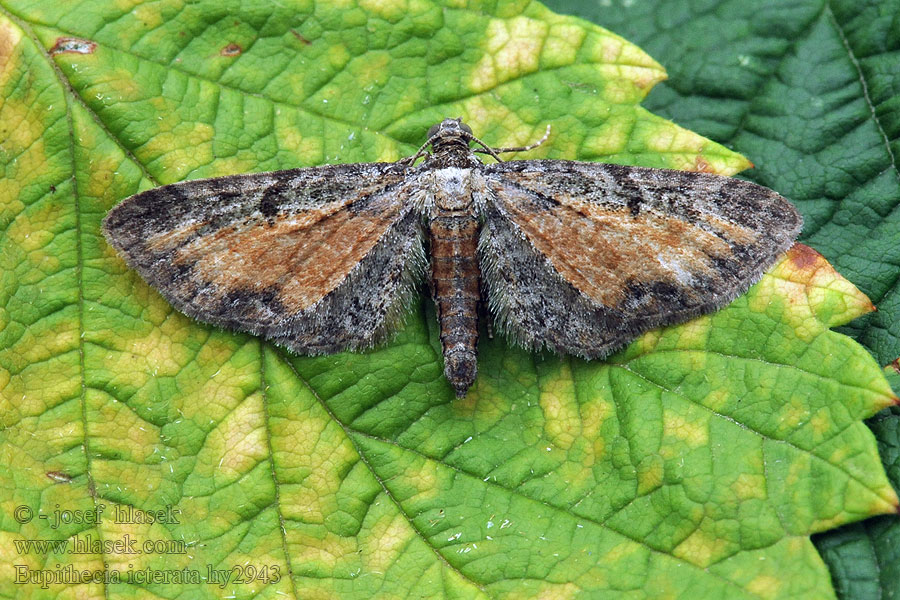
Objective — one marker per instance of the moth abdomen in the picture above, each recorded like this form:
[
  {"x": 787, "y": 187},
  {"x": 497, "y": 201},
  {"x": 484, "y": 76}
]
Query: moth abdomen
[{"x": 456, "y": 283}]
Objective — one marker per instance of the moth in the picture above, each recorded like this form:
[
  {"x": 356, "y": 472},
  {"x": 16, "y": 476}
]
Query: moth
[{"x": 575, "y": 257}]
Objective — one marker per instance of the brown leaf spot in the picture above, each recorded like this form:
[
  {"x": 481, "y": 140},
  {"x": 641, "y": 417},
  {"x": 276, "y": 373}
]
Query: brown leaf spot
[
  {"x": 70, "y": 45},
  {"x": 808, "y": 261},
  {"x": 701, "y": 165},
  {"x": 300, "y": 37},
  {"x": 231, "y": 49},
  {"x": 803, "y": 257}
]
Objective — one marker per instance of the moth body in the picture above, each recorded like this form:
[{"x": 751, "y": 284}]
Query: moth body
[
  {"x": 453, "y": 228},
  {"x": 575, "y": 257}
]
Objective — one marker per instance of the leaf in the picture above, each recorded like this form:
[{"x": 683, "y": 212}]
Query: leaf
[
  {"x": 696, "y": 461},
  {"x": 863, "y": 557},
  {"x": 807, "y": 90}
]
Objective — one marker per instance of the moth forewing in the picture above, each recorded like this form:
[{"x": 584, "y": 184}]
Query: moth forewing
[
  {"x": 318, "y": 260},
  {"x": 608, "y": 252}
]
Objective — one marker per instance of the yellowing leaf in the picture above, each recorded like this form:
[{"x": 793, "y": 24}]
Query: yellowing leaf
[{"x": 696, "y": 461}]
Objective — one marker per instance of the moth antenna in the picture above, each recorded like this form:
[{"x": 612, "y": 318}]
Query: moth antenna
[
  {"x": 487, "y": 149},
  {"x": 420, "y": 152},
  {"x": 411, "y": 159},
  {"x": 495, "y": 151}
]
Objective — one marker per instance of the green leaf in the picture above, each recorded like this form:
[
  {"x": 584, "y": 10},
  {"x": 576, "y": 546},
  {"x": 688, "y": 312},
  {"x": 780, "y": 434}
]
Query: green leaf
[
  {"x": 696, "y": 461},
  {"x": 864, "y": 558}
]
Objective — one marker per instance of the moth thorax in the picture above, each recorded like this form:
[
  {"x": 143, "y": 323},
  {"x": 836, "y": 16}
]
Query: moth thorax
[
  {"x": 450, "y": 143},
  {"x": 453, "y": 189}
]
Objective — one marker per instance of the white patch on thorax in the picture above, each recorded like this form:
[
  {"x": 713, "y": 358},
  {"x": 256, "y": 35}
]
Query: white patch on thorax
[
  {"x": 452, "y": 188},
  {"x": 452, "y": 178}
]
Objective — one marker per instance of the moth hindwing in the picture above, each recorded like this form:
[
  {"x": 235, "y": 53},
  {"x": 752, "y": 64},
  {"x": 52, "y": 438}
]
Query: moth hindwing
[{"x": 572, "y": 256}]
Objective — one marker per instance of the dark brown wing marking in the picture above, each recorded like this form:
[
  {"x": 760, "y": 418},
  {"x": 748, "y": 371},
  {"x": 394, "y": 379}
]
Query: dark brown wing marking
[
  {"x": 607, "y": 252},
  {"x": 276, "y": 253}
]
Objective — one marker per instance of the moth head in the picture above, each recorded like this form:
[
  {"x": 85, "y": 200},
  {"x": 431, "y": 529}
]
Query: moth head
[{"x": 451, "y": 128}]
